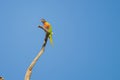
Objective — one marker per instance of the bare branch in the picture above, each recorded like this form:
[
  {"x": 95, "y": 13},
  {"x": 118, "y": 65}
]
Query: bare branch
[
  {"x": 1, "y": 78},
  {"x": 29, "y": 70},
  {"x": 43, "y": 29}
]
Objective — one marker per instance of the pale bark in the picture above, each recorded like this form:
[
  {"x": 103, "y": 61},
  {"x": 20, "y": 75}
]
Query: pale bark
[
  {"x": 29, "y": 70},
  {"x": 1, "y": 78}
]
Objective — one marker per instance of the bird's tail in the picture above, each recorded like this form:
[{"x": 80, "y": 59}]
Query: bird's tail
[{"x": 51, "y": 40}]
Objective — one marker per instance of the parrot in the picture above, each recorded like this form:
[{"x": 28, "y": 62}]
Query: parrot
[{"x": 48, "y": 26}]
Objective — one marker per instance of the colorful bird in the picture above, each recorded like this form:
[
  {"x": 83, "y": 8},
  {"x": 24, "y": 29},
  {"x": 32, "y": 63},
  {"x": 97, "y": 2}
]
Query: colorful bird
[{"x": 49, "y": 28}]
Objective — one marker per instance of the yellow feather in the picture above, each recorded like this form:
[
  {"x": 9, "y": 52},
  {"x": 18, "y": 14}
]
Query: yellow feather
[{"x": 51, "y": 40}]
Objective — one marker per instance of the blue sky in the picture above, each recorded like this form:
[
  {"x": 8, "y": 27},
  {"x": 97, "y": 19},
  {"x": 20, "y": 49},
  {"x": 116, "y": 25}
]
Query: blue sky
[{"x": 86, "y": 39}]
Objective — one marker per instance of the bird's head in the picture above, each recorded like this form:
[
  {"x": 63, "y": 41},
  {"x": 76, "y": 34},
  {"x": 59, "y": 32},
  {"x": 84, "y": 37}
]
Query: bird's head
[{"x": 43, "y": 20}]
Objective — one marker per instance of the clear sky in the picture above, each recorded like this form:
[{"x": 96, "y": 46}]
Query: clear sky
[{"x": 86, "y": 39}]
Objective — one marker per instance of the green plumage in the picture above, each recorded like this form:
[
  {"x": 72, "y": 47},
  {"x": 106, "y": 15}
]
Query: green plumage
[{"x": 50, "y": 36}]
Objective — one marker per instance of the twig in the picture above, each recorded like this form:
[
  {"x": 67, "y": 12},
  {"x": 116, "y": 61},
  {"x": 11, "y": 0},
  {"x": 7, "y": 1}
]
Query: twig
[
  {"x": 29, "y": 70},
  {"x": 43, "y": 29},
  {"x": 1, "y": 78}
]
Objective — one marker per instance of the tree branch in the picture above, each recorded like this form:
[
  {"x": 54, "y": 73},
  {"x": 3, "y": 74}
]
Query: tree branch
[
  {"x": 43, "y": 28},
  {"x": 1, "y": 78},
  {"x": 29, "y": 70}
]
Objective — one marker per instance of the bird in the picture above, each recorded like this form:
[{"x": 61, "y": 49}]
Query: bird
[{"x": 48, "y": 26}]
